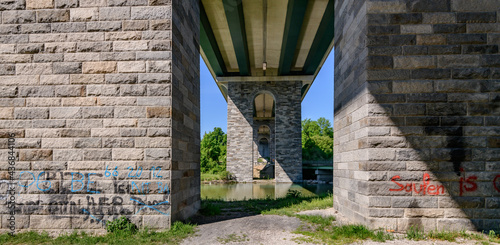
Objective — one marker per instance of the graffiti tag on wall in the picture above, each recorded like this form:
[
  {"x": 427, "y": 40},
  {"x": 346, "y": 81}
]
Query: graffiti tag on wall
[
  {"x": 96, "y": 195},
  {"x": 466, "y": 184}
]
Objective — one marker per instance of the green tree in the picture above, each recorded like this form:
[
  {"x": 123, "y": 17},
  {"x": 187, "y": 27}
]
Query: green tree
[
  {"x": 317, "y": 139},
  {"x": 213, "y": 151}
]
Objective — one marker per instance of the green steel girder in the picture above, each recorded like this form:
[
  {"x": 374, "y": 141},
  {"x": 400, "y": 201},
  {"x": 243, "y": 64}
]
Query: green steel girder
[
  {"x": 236, "y": 23},
  {"x": 322, "y": 41},
  {"x": 294, "y": 19},
  {"x": 209, "y": 45}
]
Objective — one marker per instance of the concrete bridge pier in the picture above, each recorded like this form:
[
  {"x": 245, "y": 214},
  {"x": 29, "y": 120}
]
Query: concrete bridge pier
[
  {"x": 417, "y": 113},
  {"x": 99, "y": 113},
  {"x": 260, "y": 112}
]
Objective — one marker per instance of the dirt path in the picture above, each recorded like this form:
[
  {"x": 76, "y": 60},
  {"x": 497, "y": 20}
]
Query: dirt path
[
  {"x": 244, "y": 228},
  {"x": 258, "y": 229}
]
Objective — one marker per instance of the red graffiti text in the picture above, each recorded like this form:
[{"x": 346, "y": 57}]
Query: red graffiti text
[{"x": 423, "y": 189}]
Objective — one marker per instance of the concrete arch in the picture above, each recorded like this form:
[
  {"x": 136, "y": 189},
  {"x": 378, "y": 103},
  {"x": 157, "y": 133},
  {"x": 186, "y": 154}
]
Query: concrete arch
[
  {"x": 269, "y": 91},
  {"x": 264, "y": 105}
]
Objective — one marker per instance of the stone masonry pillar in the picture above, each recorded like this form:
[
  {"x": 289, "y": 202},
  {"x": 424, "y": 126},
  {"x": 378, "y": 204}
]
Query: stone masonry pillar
[
  {"x": 286, "y": 129},
  {"x": 240, "y": 145},
  {"x": 417, "y": 113},
  {"x": 100, "y": 101}
]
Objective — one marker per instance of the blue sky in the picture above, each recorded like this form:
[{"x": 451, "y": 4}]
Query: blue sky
[{"x": 317, "y": 103}]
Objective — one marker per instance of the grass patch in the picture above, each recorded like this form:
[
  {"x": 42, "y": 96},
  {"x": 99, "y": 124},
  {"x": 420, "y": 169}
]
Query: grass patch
[
  {"x": 290, "y": 205},
  {"x": 121, "y": 224},
  {"x": 316, "y": 219},
  {"x": 415, "y": 233},
  {"x": 333, "y": 234},
  {"x": 451, "y": 236},
  {"x": 233, "y": 238},
  {"x": 493, "y": 237},
  {"x": 210, "y": 209},
  {"x": 175, "y": 235},
  {"x": 215, "y": 176}
]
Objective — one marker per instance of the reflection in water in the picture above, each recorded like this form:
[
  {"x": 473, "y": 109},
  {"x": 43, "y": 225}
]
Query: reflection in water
[{"x": 245, "y": 191}]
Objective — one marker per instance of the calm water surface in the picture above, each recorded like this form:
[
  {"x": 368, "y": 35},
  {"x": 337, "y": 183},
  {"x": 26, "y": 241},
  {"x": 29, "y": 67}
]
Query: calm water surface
[{"x": 245, "y": 191}]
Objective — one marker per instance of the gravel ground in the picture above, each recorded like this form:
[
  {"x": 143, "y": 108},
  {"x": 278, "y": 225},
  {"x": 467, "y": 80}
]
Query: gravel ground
[{"x": 258, "y": 229}]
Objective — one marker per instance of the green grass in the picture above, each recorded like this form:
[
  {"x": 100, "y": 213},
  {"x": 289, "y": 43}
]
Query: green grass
[
  {"x": 328, "y": 233},
  {"x": 214, "y": 176},
  {"x": 175, "y": 235},
  {"x": 232, "y": 238},
  {"x": 210, "y": 209},
  {"x": 316, "y": 219},
  {"x": 290, "y": 205},
  {"x": 493, "y": 237},
  {"x": 414, "y": 233}
]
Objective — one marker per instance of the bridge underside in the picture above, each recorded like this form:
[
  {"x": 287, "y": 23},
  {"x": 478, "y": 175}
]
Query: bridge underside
[{"x": 264, "y": 56}]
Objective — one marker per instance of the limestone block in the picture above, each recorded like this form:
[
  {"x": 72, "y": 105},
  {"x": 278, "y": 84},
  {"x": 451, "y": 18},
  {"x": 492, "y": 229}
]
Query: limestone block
[
  {"x": 84, "y": 14},
  {"x": 92, "y": 3},
  {"x": 127, "y": 112},
  {"x": 130, "y": 45},
  {"x": 128, "y": 154},
  {"x": 114, "y": 13},
  {"x": 44, "y": 222},
  {"x": 70, "y": 91},
  {"x": 33, "y": 69},
  {"x": 55, "y": 15},
  {"x": 135, "y": 25},
  {"x": 39, "y": 4},
  {"x": 131, "y": 67},
  {"x": 31, "y": 113},
  {"x": 151, "y": 13},
  {"x": 18, "y": 17},
  {"x": 66, "y": 3},
  {"x": 99, "y": 67},
  {"x": 104, "y": 26},
  {"x": 94, "y": 47},
  {"x": 6, "y": 113}
]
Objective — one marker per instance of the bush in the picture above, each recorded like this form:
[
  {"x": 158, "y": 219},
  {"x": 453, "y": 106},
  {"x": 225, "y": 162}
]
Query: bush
[{"x": 121, "y": 224}]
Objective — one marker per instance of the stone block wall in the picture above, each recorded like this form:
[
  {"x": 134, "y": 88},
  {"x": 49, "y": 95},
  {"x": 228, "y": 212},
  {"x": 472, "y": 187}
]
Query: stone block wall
[
  {"x": 102, "y": 100},
  {"x": 241, "y": 152},
  {"x": 185, "y": 109},
  {"x": 417, "y": 113}
]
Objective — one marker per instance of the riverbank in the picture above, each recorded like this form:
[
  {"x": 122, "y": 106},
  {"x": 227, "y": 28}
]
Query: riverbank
[{"x": 216, "y": 178}]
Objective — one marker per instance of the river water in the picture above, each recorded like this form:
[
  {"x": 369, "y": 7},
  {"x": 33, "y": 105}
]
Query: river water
[{"x": 257, "y": 190}]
